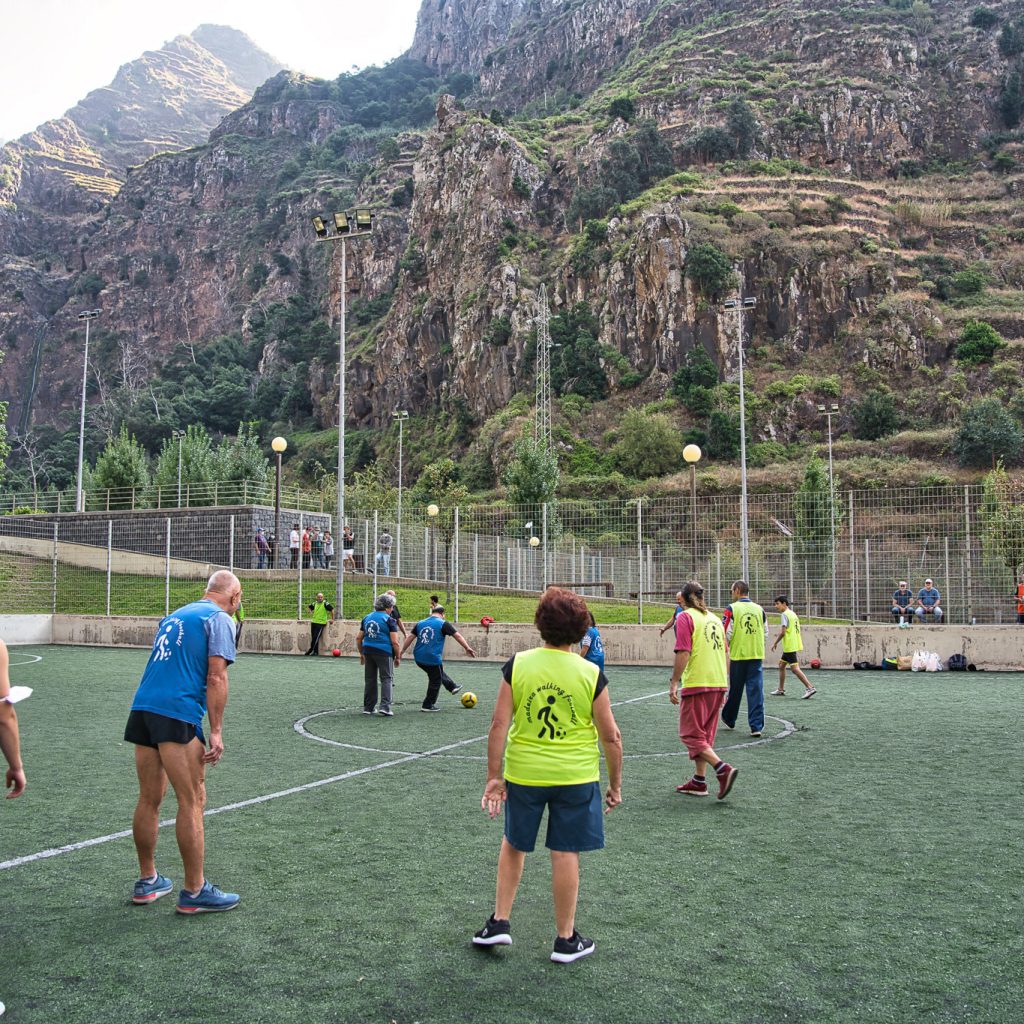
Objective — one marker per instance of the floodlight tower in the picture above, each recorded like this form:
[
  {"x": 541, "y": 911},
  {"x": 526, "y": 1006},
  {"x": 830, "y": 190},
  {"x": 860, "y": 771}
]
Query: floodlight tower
[{"x": 350, "y": 224}]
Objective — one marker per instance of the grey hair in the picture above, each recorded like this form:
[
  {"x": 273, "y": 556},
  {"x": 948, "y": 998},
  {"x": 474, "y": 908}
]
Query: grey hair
[
  {"x": 384, "y": 603},
  {"x": 223, "y": 581}
]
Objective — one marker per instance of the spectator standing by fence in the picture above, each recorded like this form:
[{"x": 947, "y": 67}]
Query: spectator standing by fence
[
  {"x": 902, "y": 603},
  {"x": 328, "y": 549},
  {"x": 348, "y": 549},
  {"x": 294, "y": 545},
  {"x": 316, "y": 547},
  {"x": 262, "y": 548},
  {"x": 307, "y": 547},
  {"x": 929, "y": 602},
  {"x": 384, "y": 543}
]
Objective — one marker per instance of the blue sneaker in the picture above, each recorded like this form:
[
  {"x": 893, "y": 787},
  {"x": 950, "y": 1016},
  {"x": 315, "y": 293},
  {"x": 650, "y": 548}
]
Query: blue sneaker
[
  {"x": 208, "y": 900},
  {"x": 150, "y": 892}
]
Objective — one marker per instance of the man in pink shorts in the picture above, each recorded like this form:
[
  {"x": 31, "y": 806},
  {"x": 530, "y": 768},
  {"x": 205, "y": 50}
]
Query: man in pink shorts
[{"x": 701, "y": 663}]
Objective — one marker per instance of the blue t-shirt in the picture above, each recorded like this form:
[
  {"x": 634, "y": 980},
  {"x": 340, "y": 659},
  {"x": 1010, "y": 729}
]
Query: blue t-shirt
[
  {"x": 593, "y": 647},
  {"x": 174, "y": 682},
  {"x": 928, "y": 597},
  {"x": 377, "y": 628},
  {"x": 902, "y": 597},
  {"x": 430, "y": 634}
]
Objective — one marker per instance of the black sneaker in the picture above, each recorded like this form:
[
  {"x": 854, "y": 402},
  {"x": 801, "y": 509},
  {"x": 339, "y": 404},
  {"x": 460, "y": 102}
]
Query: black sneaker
[
  {"x": 494, "y": 933},
  {"x": 567, "y": 950},
  {"x": 432, "y": 707}
]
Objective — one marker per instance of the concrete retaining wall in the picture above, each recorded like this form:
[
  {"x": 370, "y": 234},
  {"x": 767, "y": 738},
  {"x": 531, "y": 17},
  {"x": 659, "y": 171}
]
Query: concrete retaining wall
[
  {"x": 26, "y": 629},
  {"x": 989, "y": 647}
]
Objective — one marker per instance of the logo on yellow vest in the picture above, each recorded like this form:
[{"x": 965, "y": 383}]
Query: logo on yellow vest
[{"x": 552, "y": 726}]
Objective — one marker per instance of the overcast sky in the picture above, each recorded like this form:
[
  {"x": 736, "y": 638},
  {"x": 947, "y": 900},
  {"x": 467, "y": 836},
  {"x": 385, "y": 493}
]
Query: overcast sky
[{"x": 53, "y": 52}]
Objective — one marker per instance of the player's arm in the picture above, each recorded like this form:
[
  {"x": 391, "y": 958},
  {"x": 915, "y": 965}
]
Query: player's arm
[
  {"x": 10, "y": 743},
  {"x": 410, "y": 639},
  {"x": 216, "y": 702},
  {"x": 461, "y": 641},
  {"x": 584, "y": 646},
  {"x": 501, "y": 722},
  {"x": 396, "y": 650},
  {"x": 668, "y": 625},
  {"x": 678, "y": 668},
  {"x": 611, "y": 742},
  {"x": 359, "y": 646}
]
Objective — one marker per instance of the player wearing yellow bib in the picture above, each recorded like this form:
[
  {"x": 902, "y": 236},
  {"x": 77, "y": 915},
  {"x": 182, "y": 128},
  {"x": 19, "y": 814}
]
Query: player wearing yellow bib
[
  {"x": 552, "y": 708},
  {"x": 701, "y": 663},
  {"x": 792, "y": 645},
  {"x": 745, "y": 624}
]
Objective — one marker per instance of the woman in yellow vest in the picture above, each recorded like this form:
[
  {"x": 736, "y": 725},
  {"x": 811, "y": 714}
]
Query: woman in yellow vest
[
  {"x": 552, "y": 707},
  {"x": 702, "y": 666}
]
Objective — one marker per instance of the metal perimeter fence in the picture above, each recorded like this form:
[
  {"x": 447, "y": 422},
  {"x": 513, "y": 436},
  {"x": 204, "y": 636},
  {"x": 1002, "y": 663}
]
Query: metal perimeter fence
[{"x": 836, "y": 559}]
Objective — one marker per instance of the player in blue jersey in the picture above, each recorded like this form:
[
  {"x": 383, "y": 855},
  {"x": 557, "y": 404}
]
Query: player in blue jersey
[
  {"x": 592, "y": 646},
  {"x": 377, "y": 644},
  {"x": 186, "y": 678},
  {"x": 429, "y": 635}
]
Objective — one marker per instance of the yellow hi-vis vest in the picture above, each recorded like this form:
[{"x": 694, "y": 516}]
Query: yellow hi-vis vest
[
  {"x": 747, "y": 640},
  {"x": 791, "y": 639},
  {"x": 707, "y": 665},
  {"x": 553, "y": 739}
]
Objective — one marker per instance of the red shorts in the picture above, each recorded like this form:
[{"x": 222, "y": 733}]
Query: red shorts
[{"x": 698, "y": 719}]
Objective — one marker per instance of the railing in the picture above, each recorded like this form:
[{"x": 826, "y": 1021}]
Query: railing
[{"x": 167, "y": 496}]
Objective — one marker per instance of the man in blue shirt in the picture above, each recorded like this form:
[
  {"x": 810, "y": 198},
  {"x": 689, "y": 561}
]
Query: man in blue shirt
[
  {"x": 902, "y": 600},
  {"x": 186, "y": 678},
  {"x": 377, "y": 644},
  {"x": 928, "y": 599},
  {"x": 429, "y": 635}
]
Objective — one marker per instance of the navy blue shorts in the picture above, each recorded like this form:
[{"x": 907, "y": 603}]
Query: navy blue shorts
[
  {"x": 148, "y": 729},
  {"x": 575, "y": 816}
]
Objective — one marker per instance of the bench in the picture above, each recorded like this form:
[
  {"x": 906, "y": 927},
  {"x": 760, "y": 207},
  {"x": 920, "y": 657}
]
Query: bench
[{"x": 609, "y": 588}]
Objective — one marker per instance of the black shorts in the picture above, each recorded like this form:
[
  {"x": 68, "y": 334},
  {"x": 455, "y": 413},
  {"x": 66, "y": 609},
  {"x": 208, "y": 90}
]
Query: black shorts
[
  {"x": 148, "y": 729},
  {"x": 790, "y": 657}
]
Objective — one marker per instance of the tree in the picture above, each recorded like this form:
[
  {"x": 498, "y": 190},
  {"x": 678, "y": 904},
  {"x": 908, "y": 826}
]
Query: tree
[
  {"x": 122, "y": 467},
  {"x": 987, "y": 434},
  {"x": 648, "y": 445},
  {"x": 532, "y": 473},
  {"x": 238, "y": 461},
  {"x": 723, "y": 435},
  {"x": 576, "y": 360},
  {"x": 875, "y": 415},
  {"x": 622, "y": 106},
  {"x": 698, "y": 371},
  {"x": 439, "y": 485},
  {"x": 979, "y": 342},
  {"x": 983, "y": 18},
  {"x": 1002, "y": 518},
  {"x": 816, "y": 516},
  {"x": 710, "y": 268},
  {"x": 198, "y": 466},
  {"x": 742, "y": 126},
  {"x": 373, "y": 488}
]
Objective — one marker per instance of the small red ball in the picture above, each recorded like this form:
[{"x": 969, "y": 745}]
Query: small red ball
[{"x": 336, "y": 652}]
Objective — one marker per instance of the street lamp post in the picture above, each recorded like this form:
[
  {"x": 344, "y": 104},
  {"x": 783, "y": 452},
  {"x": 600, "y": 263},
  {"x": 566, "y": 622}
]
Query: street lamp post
[
  {"x": 87, "y": 315},
  {"x": 832, "y": 409},
  {"x": 401, "y": 416},
  {"x": 355, "y": 223},
  {"x": 279, "y": 445},
  {"x": 739, "y": 306},
  {"x": 692, "y": 454}
]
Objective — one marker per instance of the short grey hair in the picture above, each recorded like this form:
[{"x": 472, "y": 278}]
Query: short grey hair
[
  {"x": 384, "y": 603},
  {"x": 223, "y": 581}
]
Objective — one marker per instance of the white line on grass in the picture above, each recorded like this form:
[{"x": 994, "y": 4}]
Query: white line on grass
[{"x": 32, "y": 660}]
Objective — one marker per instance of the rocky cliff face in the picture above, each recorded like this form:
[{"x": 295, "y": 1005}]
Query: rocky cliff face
[{"x": 474, "y": 214}]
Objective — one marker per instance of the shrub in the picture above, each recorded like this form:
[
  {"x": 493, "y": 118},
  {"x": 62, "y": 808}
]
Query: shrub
[
  {"x": 648, "y": 445},
  {"x": 622, "y": 106},
  {"x": 983, "y": 18},
  {"x": 875, "y": 415},
  {"x": 968, "y": 282},
  {"x": 979, "y": 342},
  {"x": 987, "y": 434},
  {"x": 766, "y": 453},
  {"x": 710, "y": 268},
  {"x": 1011, "y": 39}
]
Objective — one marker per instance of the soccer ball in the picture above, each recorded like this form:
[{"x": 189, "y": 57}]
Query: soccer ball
[
  {"x": 468, "y": 700},
  {"x": 815, "y": 663},
  {"x": 336, "y": 652}
]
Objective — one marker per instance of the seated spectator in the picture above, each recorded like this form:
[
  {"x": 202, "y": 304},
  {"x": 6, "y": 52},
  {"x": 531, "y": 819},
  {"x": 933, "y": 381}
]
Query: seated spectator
[
  {"x": 902, "y": 603},
  {"x": 928, "y": 599}
]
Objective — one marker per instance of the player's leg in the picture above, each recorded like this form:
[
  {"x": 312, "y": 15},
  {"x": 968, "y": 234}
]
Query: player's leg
[
  {"x": 754, "y": 685},
  {"x": 387, "y": 678},
  {"x": 732, "y": 703},
  {"x": 433, "y": 686},
  {"x": 799, "y": 673},
  {"x": 448, "y": 683},
  {"x": 369, "y": 681},
  {"x": 565, "y": 889},
  {"x": 780, "y": 691},
  {"x": 510, "y": 872},
  {"x": 183, "y": 763},
  {"x": 146, "y": 822}
]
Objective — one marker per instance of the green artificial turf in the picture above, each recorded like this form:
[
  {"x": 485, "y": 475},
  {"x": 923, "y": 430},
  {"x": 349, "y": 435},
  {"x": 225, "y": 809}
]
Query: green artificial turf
[{"x": 865, "y": 867}]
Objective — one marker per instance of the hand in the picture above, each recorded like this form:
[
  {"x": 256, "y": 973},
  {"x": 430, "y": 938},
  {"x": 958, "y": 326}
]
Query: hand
[
  {"x": 612, "y": 798},
  {"x": 673, "y": 693},
  {"x": 216, "y": 751},
  {"x": 362, "y": 660},
  {"x": 494, "y": 797},
  {"x": 15, "y": 782},
  {"x": 471, "y": 652},
  {"x": 398, "y": 660}
]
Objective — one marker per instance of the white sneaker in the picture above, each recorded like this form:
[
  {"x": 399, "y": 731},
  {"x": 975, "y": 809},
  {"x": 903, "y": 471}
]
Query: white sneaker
[
  {"x": 777, "y": 693},
  {"x": 808, "y": 693}
]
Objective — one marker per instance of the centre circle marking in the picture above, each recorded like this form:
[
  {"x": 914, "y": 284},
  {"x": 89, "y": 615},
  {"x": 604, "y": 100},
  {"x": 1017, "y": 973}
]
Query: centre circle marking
[{"x": 788, "y": 729}]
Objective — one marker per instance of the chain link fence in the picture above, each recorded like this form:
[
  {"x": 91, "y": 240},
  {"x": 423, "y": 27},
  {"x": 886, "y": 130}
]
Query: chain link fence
[{"x": 836, "y": 559}]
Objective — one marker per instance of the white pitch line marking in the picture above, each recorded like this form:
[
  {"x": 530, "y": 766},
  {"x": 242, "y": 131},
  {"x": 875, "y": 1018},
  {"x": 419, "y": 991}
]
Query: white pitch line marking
[{"x": 32, "y": 660}]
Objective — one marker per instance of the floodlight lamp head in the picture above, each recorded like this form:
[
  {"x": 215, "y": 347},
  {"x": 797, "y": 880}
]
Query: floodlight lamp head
[
  {"x": 341, "y": 224},
  {"x": 835, "y": 407},
  {"x": 730, "y": 304},
  {"x": 821, "y": 408},
  {"x": 749, "y": 303},
  {"x": 364, "y": 220},
  {"x": 279, "y": 444},
  {"x": 401, "y": 414},
  {"x": 319, "y": 227}
]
